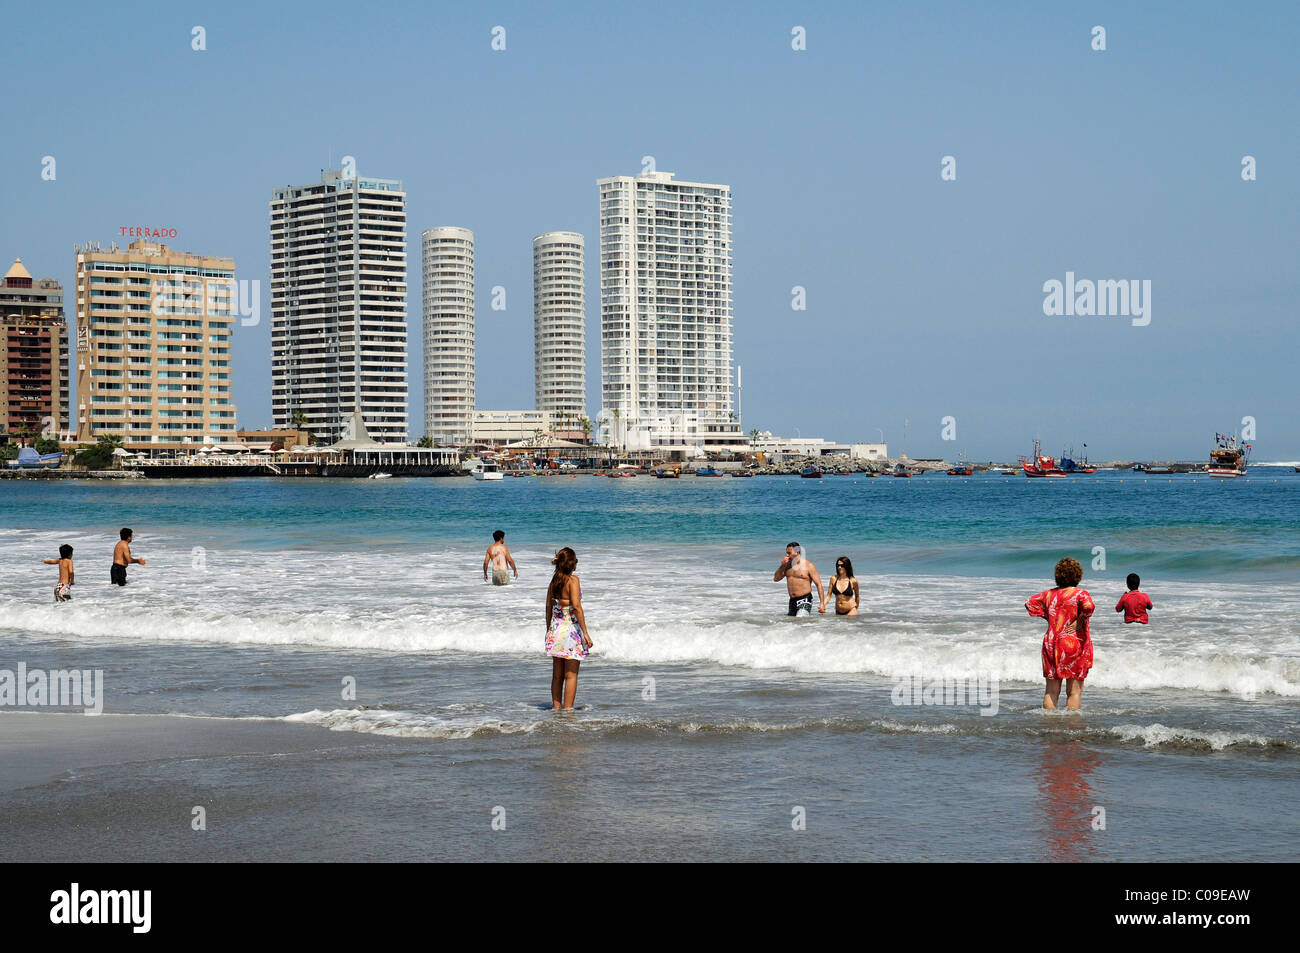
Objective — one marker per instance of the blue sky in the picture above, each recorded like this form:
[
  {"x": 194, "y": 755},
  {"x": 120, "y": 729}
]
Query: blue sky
[{"x": 924, "y": 296}]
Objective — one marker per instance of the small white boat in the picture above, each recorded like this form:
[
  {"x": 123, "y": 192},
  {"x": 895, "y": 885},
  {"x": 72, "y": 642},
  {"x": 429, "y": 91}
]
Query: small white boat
[
  {"x": 380, "y": 476},
  {"x": 487, "y": 471}
]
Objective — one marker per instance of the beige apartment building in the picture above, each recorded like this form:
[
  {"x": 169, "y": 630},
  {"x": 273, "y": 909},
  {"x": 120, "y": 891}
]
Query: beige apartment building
[
  {"x": 153, "y": 349},
  {"x": 33, "y": 356}
]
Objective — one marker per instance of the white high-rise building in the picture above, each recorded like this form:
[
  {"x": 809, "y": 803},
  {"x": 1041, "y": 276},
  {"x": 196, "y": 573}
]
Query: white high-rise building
[
  {"x": 338, "y": 306},
  {"x": 665, "y": 313},
  {"x": 449, "y": 335},
  {"x": 560, "y": 328}
]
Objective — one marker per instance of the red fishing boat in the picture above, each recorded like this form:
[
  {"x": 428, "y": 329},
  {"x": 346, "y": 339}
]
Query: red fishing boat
[{"x": 1040, "y": 465}]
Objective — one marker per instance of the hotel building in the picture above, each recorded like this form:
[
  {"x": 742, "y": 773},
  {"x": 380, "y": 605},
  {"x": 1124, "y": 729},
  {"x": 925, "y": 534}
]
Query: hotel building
[
  {"x": 448, "y": 335},
  {"x": 153, "y": 345},
  {"x": 559, "y": 327},
  {"x": 33, "y": 355},
  {"x": 665, "y": 313},
  {"x": 338, "y": 306}
]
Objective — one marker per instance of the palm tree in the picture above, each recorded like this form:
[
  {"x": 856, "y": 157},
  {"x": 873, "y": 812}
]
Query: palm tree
[
  {"x": 299, "y": 421},
  {"x": 585, "y": 424}
]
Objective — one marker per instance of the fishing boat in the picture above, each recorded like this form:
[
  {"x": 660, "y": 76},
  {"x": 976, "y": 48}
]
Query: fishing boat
[
  {"x": 811, "y": 473},
  {"x": 486, "y": 471},
  {"x": 1005, "y": 471},
  {"x": 1070, "y": 465},
  {"x": 902, "y": 472},
  {"x": 379, "y": 476},
  {"x": 1040, "y": 465},
  {"x": 741, "y": 473},
  {"x": 709, "y": 472},
  {"x": 667, "y": 474},
  {"x": 1228, "y": 458},
  {"x": 961, "y": 468}
]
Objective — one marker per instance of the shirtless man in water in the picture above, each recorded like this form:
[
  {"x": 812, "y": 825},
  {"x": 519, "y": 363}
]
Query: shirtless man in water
[
  {"x": 800, "y": 576},
  {"x": 498, "y": 557},
  {"x": 122, "y": 558}
]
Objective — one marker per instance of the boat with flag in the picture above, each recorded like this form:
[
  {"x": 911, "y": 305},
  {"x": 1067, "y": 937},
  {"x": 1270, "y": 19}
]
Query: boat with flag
[
  {"x": 1228, "y": 458},
  {"x": 1070, "y": 465}
]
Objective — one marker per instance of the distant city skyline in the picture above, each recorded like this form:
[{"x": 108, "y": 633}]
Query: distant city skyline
[{"x": 924, "y": 295}]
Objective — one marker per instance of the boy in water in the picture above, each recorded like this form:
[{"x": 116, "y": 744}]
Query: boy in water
[
  {"x": 1134, "y": 604},
  {"x": 122, "y": 558},
  {"x": 498, "y": 556},
  {"x": 63, "y": 591}
]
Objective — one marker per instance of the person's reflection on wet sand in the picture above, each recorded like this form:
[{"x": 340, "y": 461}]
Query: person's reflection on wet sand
[{"x": 1068, "y": 801}]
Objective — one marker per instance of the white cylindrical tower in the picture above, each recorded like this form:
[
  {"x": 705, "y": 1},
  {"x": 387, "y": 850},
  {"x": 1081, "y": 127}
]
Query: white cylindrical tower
[
  {"x": 560, "y": 328},
  {"x": 448, "y": 334}
]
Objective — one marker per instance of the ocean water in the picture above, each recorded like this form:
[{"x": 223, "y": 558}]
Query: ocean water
[{"x": 706, "y": 716}]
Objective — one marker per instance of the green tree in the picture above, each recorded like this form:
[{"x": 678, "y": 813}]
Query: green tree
[
  {"x": 585, "y": 424},
  {"x": 425, "y": 441},
  {"x": 46, "y": 445},
  {"x": 100, "y": 456},
  {"x": 9, "y": 451}
]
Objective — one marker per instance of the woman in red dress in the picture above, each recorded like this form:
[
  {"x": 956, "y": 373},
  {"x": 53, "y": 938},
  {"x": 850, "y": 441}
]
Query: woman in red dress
[{"x": 1067, "y": 646}]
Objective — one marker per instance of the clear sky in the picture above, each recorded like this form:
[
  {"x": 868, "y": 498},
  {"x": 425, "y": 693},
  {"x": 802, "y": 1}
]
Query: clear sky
[{"x": 924, "y": 297}]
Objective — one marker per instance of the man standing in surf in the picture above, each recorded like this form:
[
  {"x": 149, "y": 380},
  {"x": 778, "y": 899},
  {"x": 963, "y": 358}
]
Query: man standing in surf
[
  {"x": 800, "y": 576},
  {"x": 498, "y": 557}
]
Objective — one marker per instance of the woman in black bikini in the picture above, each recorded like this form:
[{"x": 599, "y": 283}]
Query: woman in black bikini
[{"x": 844, "y": 587}]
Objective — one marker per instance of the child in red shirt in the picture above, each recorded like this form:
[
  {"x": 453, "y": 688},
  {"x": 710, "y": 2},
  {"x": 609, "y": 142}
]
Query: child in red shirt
[{"x": 1134, "y": 604}]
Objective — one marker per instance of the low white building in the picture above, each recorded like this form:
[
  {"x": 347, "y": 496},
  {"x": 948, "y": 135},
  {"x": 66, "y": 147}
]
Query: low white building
[
  {"x": 509, "y": 426},
  {"x": 778, "y": 447}
]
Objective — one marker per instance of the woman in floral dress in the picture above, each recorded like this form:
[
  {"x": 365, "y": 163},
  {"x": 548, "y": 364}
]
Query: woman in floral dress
[
  {"x": 1067, "y": 646},
  {"x": 567, "y": 641}
]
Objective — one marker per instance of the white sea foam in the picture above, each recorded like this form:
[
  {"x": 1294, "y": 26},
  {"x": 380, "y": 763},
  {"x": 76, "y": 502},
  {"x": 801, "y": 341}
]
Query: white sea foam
[
  {"x": 1157, "y": 735},
  {"x": 453, "y": 724},
  {"x": 644, "y": 609}
]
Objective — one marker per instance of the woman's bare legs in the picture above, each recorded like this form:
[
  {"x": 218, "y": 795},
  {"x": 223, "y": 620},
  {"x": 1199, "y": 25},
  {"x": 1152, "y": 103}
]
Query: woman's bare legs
[
  {"x": 570, "y": 677},
  {"x": 557, "y": 682},
  {"x": 1073, "y": 693},
  {"x": 1053, "y": 693}
]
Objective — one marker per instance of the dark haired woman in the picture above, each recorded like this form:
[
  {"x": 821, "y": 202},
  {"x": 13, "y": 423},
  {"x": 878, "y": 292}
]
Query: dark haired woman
[
  {"x": 844, "y": 587},
  {"x": 1067, "y": 646},
  {"x": 567, "y": 641}
]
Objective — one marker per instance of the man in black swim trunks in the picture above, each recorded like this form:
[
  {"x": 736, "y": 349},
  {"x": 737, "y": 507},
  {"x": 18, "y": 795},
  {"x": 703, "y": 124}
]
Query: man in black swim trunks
[
  {"x": 122, "y": 558},
  {"x": 800, "y": 576}
]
